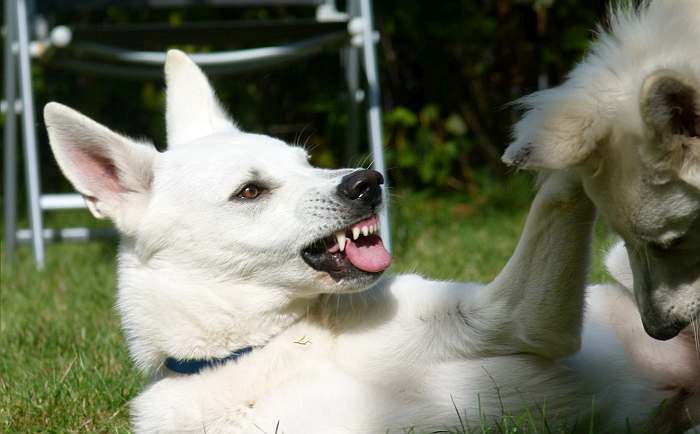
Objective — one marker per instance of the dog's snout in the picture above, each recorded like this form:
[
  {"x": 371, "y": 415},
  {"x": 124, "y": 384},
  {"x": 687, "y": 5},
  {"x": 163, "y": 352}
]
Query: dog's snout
[{"x": 363, "y": 186}]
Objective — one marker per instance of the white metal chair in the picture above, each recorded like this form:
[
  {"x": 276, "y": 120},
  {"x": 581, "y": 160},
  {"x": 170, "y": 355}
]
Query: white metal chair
[{"x": 350, "y": 31}]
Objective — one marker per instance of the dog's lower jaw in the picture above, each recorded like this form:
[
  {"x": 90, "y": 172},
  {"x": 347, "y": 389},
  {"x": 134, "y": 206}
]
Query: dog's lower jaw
[{"x": 344, "y": 286}]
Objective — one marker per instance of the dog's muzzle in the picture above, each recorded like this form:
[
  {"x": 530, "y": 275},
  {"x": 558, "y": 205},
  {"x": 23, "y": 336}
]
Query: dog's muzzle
[{"x": 354, "y": 251}]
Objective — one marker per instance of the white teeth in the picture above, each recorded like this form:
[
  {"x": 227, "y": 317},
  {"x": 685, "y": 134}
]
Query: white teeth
[
  {"x": 355, "y": 233},
  {"x": 340, "y": 236}
]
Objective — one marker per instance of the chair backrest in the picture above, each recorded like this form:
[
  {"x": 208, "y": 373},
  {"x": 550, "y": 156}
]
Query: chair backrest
[
  {"x": 246, "y": 32},
  {"x": 64, "y": 5}
]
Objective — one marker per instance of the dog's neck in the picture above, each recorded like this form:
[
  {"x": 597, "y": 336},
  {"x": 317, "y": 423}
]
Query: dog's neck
[{"x": 201, "y": 321}]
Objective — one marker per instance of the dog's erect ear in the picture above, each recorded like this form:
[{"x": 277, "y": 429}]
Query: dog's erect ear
[
  {"x": 192, "y": 109},
  {"x": 670, "y": 105},
  {"x": 112, "y": 172},
  {"x": 670, "y": 108},
  {"x": 560, "y": 129}
]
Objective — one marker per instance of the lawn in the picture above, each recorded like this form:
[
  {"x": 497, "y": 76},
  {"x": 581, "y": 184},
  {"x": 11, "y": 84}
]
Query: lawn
[{"x": 65, "y": 366}]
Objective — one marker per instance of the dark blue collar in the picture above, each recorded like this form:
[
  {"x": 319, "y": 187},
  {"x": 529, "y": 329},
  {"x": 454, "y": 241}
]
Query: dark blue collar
[{"x": 193, "y": 366}]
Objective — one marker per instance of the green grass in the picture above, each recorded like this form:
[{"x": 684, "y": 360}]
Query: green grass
[{"x": 64, "y": 364}]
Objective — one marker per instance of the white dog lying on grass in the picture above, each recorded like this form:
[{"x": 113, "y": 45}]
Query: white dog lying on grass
[
  {"x": 250, "y": 289},
  {"x": 241, "y": 279}
]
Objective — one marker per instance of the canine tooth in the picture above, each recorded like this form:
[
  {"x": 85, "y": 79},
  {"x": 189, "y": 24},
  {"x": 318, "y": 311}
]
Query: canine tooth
[
  {"x": 365, "y": 230},
  {"x": 355, "y": 233},
  {"x": 340, "y": 236},
  {"x": 371, "y": 229}
]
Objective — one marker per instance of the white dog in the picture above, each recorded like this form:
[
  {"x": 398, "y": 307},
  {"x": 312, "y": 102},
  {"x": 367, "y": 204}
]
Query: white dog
[
  {"x": 250, "y": 289},
  {"x": 627, "y": 122}
]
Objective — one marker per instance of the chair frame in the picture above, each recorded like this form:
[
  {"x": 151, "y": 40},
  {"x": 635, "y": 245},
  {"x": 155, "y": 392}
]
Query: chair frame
[{"x": 19, "y": 48}]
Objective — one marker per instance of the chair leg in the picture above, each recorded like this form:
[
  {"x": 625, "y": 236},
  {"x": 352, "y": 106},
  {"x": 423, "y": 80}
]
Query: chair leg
[
  {"x": 374, "y": 114},
  {"x": 10, "y": 155},
  {"x": 29, "y": 133},
  {"x": 351, "y": 59}
]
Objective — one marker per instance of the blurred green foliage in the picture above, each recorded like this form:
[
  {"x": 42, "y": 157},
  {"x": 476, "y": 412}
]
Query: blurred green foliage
[
  {"x": 448, "y": 71},
  {"x": 451, "y": 68}
]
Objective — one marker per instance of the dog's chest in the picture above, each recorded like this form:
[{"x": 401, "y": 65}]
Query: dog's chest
[{"x": 306, "y": 367}]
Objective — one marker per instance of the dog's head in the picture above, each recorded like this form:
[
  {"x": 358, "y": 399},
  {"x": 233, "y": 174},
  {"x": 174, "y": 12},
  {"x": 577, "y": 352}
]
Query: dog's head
[
  {"x": 222, "y": 209},
  {"x": 628, "y": 120}
]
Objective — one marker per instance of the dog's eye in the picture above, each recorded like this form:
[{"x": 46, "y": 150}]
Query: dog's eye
[
  {"x": 666, "y": 246},
  {"x": 249, "y": 191}
]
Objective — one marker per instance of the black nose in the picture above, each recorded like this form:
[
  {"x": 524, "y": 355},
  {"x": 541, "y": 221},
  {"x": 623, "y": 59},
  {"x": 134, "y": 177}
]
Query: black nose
[
  {"x": 664, "y": 332},
  {"x": 363, "y": 186}
]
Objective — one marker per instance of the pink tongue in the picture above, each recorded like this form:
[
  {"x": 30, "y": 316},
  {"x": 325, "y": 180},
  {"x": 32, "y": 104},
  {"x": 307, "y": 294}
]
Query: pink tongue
[{"x": 368, "y": 254}]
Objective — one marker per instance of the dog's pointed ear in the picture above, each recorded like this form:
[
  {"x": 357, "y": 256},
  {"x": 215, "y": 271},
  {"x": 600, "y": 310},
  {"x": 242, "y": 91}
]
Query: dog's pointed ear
[
  {"x": 670, "y": 104},
  {"x": 670, "y": 108},
  {"x": 560, "y": 129},
  {"x": 192, "y": 109},
  {"x": 112, "y": 172}
]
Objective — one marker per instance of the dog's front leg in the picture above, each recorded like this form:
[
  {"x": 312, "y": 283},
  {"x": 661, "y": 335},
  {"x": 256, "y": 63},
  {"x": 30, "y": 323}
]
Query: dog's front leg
[{"x": 535, "y": 304}]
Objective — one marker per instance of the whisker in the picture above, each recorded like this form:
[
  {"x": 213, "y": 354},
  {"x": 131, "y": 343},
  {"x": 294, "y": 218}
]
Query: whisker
[{"x": 695, "y": 321}]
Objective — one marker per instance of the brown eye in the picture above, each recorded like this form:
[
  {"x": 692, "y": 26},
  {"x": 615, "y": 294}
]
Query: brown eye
[
  {"x": 250, "y": 191},
  {"x": 664, "y": 247}
]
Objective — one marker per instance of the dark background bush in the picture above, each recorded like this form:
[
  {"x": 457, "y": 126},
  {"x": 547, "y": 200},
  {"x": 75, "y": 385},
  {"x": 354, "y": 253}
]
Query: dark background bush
[{"x": 448, "y": 70}]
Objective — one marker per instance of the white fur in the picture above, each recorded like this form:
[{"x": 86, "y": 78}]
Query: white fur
[
  {"x": 188, "y": 87},
  {"x": 627, "y": 122},
  {"x": 202, "y": 273},
  {"x": 675, "y": 362}
]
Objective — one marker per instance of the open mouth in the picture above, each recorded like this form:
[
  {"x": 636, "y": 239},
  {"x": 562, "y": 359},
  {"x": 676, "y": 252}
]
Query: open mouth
[{"x": 354, "y": 250}]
